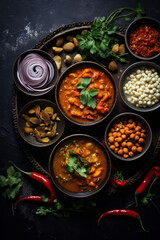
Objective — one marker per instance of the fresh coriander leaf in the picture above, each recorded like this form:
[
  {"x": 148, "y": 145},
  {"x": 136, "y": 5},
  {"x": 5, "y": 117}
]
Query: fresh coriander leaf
[
  {"x": 93, "y": 92},
  {"x": 42, "y": 210},
  {"x": 76, "y": 164},
  {"x": 102, "y": 19},
  {"x": 14, "y": 191},
  {"x": 92, "y": 102},
  {"x": 13, "y": 180},
  {"x": 59, "y": 205},
  {"x": 85, "y": 81},
  {"x": 93, "y": 49},
  {"x": 111, "y": 29},
  {"x": 80, "y": 86},
  {"x": 82, "y": 171},
  {"x": 84, "y": 96},
  {"x": 44, "y": 198},
  {"x": 3, "y": 181},
  {"x": 11, "y": 185},
  {"x": 72, "y": 164},
  {"x": 11, "y": 171}
]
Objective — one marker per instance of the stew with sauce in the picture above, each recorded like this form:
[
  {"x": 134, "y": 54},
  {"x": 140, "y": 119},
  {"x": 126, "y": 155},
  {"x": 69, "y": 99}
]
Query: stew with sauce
[
  {"x": 86, "y": 94},
  {"x": 80, "y": 166}
]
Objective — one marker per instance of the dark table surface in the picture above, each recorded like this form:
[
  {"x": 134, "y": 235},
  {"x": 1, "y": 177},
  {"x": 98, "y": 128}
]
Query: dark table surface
[{"x": 23, "y": 24}]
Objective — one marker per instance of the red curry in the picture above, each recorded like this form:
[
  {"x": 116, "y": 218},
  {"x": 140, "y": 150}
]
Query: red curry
[
  {"x": 80, "y": 166},
  {"x": 69, "y": 95},
  {"x": 145, "y": 41}
]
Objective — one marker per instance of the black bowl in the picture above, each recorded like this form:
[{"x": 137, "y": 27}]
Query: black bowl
[
  {"x": 80, "y": 65},
  {"x": 136, "y": 23},
  {"x": 31, "y": 139},
  {"x": 148, "y": 138},
  {"x": 49, "y": 87},
  {"x": 64, "y": 142},
  {"x": 123, "y": 81}
]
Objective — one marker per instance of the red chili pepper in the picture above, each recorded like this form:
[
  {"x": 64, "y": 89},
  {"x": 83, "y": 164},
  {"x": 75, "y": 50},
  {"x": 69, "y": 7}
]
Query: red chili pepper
[
  {"x": 154, "y": 171},
  {"x": 116, "y": 182},
  {"x": 42, "y": 179},
  {"x": 32, "y": 198},
  {"x": 122, "y": 212}
]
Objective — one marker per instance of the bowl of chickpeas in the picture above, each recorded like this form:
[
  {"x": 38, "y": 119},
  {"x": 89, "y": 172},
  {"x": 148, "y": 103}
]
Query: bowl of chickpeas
[
  {"x": 128, "y": 136},
  {"x": 139, "y": 86}
]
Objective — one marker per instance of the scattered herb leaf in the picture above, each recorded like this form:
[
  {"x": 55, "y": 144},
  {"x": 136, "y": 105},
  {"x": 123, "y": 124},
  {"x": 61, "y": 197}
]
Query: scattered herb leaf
[
  {"x": 60, "y": 209},
  {"x": 11, "y": 184}
]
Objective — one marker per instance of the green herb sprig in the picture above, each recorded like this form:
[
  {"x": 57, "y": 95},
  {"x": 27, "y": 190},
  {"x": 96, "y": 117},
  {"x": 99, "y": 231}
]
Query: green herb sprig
[
  {"x": 87, "y": 96},
  {"x": 97, "y": 42},
  {"x": 60, "y": 209},
  {"x": 77, "y": 164},
  {"x": 11, "y": 185}
]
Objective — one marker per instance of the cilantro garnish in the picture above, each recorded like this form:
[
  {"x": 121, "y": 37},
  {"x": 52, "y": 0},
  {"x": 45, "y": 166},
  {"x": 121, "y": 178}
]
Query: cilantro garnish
[
  {"x": 11, "y": 184},
  {"x": 87, "y": 96},
  {"x": 77, "y": 164},
  {"x": 97, "y": 42},
  {"x": 64, "y": 209}
]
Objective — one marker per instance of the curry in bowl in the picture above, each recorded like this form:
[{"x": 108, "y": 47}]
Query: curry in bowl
[
  {"x": 79, "y": 165},
  {"x": 86, "y": 92}
]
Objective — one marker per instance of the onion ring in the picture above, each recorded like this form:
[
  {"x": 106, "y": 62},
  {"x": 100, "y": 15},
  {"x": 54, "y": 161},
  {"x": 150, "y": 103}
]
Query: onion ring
[{"x": 35, "y": 73}]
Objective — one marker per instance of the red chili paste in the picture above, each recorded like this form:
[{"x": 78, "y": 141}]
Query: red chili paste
[{"x": 145, "y": 41}]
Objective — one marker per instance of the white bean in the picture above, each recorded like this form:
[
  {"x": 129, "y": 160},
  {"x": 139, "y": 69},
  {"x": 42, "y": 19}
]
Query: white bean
[{"x": 143, "y": 87}]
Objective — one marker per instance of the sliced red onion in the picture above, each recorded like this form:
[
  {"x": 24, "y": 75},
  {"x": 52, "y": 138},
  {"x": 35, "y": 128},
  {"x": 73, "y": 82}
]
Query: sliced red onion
[{"x": 35, "y": 73}]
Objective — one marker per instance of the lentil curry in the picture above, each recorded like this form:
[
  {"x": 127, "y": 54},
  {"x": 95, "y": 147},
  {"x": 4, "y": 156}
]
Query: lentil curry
[
  {"x": 80, "y": 165},
  {"x": 86, "y": 94}
]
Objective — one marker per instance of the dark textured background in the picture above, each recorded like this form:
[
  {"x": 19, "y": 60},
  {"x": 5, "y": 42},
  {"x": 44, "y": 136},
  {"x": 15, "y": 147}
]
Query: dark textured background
[{"x": 23, "y": 24}]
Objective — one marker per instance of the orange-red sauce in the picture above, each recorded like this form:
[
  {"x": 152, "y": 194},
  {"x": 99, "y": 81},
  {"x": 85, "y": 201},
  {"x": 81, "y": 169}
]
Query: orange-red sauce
[{"x": 69, "y": 95}]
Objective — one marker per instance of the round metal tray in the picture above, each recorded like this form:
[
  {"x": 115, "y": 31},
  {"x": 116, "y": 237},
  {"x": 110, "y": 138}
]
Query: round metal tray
[{"x": 35, "y": 156}]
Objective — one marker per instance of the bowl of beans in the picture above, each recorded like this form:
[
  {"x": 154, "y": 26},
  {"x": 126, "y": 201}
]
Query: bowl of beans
[
  {"x": 139, "y": 86},
  {"x": 128, "y": 136},
  {"x": 142, "y": 38}
]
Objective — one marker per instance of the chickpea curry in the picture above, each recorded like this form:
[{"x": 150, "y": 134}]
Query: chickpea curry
[
  {"x": 80, "y": 166},
  {"x": 86, "y": 94}
]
